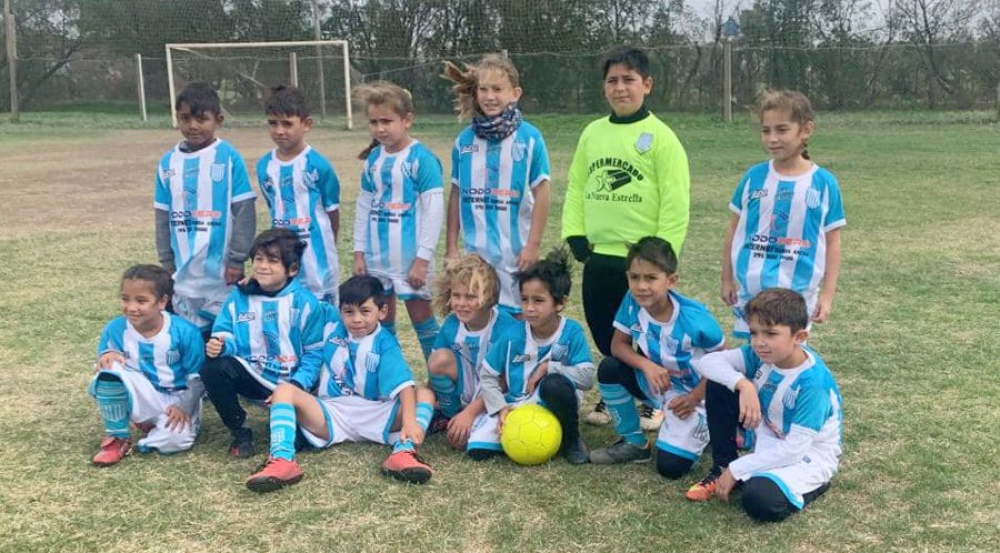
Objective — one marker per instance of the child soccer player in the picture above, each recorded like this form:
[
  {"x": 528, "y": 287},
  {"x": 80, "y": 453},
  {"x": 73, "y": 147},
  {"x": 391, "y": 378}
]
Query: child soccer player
[
  {"x": 269, "y": 331},
  {"x": 499, "y": 174},
  {"x": 147, "y": 371},
  {"x": 302, "y": 190},
  {"x": 467, "y": 298},
  {"x": 399, "y": 211},
  {"x": 628, "y": 179},
  {"x": 785, "y": 393},
  {"x": 787, "y": 214},
  {"x": 546, "y": 360},
  {"x": 366, "y": 394},
  {"x": 205, "y": 215},
  {"x": 659, "y": 335}
]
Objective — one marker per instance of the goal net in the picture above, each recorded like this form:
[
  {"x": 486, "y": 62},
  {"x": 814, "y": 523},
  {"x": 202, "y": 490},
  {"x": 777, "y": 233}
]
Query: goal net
[{"x": 244, "y": 73}]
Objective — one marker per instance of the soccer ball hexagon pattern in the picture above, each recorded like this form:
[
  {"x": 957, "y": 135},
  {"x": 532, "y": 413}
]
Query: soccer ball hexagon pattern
[{"x": 531, "y": 435}]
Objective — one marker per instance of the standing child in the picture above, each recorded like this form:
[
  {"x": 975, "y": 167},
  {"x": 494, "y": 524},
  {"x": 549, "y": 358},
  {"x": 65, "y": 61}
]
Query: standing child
[
  {"x": 400, "y": 209},
  {"x": 302, "y": 190},
  {"x": 499, "y": 175},
  {"x": 787, "y": 214},
  {"x": 785, "y": 392},
  {"x": 366, "y": 394},
  {"x": 628, "y": 179},
  {"x": 205, "y": 215},
  {"x": 147, "y": 371},
  {"x": 467, "y": 298},
  {"x": 545, "y": 359},
  {"x": 270, "y": 331},
  {"x": 659, "y": 335}
]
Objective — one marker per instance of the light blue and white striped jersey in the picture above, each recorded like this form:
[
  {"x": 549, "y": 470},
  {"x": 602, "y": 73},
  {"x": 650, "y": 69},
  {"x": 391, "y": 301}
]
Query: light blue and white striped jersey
[
  {"x": 690, "y": 333},
  {"x": 372, "y": 367},
  {"x": 470, "y": 346},
  {"x": 168, "y": 360},
  {"x": 780, "y": 240},
  {"x": 196, "y": 190},
  {"x": 495, "y": 179},
  {"x": 516, "y": 355},
  {"x": 400, "y": 209},
  {"x": 300, "y": 194},
  {"x": 805, "y": 398},
  {"x": 280, "y": 336}
]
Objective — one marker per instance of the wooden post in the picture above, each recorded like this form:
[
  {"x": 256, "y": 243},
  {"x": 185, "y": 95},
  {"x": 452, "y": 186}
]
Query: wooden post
[
  {"x": 727, "y": 81},
  {"x": 15, "y": 112},
  {"x": 141, "y": 83}
]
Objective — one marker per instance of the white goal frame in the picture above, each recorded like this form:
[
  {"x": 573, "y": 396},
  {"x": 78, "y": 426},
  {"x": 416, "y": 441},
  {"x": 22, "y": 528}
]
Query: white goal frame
[{"x": 291, "y": 43}]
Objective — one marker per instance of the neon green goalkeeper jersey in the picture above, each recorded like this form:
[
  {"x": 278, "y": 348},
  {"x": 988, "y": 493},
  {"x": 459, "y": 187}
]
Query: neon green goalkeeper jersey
[{"x": 627, "y": 180}]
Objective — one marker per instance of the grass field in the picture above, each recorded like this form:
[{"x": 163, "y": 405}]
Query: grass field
[{"x": 913, "y": 340}]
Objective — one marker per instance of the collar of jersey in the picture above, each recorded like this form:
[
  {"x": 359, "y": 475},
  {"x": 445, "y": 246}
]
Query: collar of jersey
[{"x": 637, "y": 116}]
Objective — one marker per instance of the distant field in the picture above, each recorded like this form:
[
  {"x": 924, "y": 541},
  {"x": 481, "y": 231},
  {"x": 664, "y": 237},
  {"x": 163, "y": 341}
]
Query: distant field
[{"x": 913, "y": 340}]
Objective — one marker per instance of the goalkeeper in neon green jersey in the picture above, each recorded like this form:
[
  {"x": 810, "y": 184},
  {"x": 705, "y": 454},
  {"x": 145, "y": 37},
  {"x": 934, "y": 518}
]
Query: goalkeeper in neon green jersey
[{"x": 628, "y": 179}]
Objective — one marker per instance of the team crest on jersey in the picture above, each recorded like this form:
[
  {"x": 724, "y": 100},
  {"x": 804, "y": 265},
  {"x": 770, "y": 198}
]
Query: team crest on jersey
[
  {"x": 270, "y": 316},
  {"x": 372, "y": 361},
  {"x": 246, "y": 317},
  {"x": 406, "y": 167},
  {"x": 518, "y": 151},
  {"x": 812, "y": 198},
  {"x": 670, "y": 343},
  {"x": 470, "y": 149},
  {"x": 790, "y": 398},
  {"x": 310, "y": 177},
  {"x": 559, "y": 352},
  {"x": 644, "y": 143},
  {"x": 172, "y": 357},
  {"x": 218, "y": 171}
]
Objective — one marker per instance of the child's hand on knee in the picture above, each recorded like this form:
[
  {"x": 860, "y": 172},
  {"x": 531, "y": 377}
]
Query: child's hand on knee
[{"x": 108, "y": 359}]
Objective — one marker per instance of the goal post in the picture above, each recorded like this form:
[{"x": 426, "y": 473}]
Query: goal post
[{"x": 244, "y": 73}]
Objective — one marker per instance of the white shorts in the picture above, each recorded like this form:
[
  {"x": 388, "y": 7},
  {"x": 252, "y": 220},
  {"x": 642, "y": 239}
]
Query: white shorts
[
  {"x": 685, "y": 438},
  {"x": 356, "y": 419},
  {"x": 485, "y": 432},
  {"x": 200, "y": 311},
  {"x": 402, "y": 289},
  {"x": 147, "y": 405},
  {"x": 510, "y": 292}
]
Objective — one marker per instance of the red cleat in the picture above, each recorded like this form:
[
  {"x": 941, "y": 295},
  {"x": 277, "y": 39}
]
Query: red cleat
[
  {"x": 274, "y": 474},
  {"x": 408, "y": 467},
  {"x": 112, "y": 451}
]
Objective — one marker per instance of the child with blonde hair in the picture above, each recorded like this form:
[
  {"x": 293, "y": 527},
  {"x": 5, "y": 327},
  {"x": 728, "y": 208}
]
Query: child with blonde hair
[
  {"x": 467, "y": 298},
  {"x": 399, "y": 210},
  {"x": 499, "y": 173}
]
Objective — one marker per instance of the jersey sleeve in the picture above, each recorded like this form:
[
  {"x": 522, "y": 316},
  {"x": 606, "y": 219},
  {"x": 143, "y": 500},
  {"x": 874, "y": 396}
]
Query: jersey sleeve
[
  {"x": 393, "y": 372},
  {"x": 493, "y": 366},
  {"x": 446, "y": 336},
  {"x": 539, "y": 171},
  {"x": 111, "y": 338},
  {"x": 626, "y": 316},
  {"x": 161, "y": 191},
  {"x": 674, "y": 178},
  {"x": 834, "y": 217},
  {"x": 736, "y": 202},
  {"x": 572, "y": 217},
  {"x": 812, "y": 408},
  {"x": 266, "y": 188},
  {"x": 329, "y": 185},
  {"x": 241, "y": 179},
  {"x": 428, "y": 173},
  {"x": 578, "y": 365},
  {"x": 192, "y": 350},
  {"x": 725, "y": 367},
  {"x": 710, "y": 336},
  {"x": 223, "y": 328},
  {"x": 455, "y": 163},
  {"x": 311, "y": 360}
]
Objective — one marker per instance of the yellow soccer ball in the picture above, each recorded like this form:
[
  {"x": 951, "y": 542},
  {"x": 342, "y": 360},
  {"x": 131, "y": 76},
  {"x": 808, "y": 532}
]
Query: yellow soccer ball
[{"x": 531, "y": 435}]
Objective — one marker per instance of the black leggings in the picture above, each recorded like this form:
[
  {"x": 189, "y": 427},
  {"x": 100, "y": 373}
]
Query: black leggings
[
  {"x": 225, "y": 380},
  {"x": 604, "y": 286},
  {"x": 614, "y": 371},
  {"x": 761, "y": 498}
]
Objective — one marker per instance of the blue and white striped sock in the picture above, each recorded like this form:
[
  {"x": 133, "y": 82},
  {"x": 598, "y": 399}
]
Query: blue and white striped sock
[
  {"x": 283, "y": 431},
  {"x": 112, "y": 399},
  {"x": 424, "y": 413},
  {"x": 621, "y": 407},
  {"x": 427, "y": 332},
  {"x": 446, "y": 390}
]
